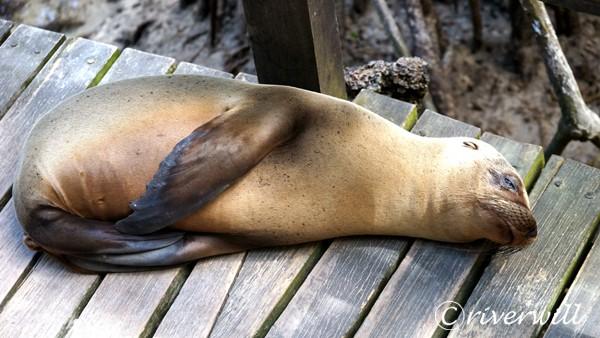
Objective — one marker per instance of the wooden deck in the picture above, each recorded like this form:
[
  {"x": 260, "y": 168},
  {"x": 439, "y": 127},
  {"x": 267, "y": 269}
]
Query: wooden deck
[{"x": 368, "y": 286}]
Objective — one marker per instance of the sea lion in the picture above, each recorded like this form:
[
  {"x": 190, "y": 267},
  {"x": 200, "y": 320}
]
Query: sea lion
[{"x": 158, "y": 171}]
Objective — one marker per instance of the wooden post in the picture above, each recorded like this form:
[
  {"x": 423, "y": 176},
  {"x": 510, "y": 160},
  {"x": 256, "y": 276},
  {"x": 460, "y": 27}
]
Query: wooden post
[
  {"x": 587, "y": 6},
  {"x": 296, "y": 43}
]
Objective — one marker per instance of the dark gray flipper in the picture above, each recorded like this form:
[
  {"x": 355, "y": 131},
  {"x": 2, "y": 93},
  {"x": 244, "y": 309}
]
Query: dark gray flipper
[
  {"x": 190, "y": 248},
  {"x": 61, "y": 233},
  {"x": 207, "y": 162},
  {"x": 88, "y": 245}
]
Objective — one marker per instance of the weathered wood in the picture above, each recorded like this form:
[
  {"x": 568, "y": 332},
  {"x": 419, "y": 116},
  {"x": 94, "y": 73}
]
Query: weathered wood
[
  {"x": 137, "y": 299},
  {"x": 199, "y": 301},
  {"x": 194, "y": 69},
  {"x": 71, "y": 71},
  {"x": 128, "y": 304},
  {"x": 68, "y": 72},
  {"x": 22, "y": 55},
  {"x": 5, "y": 27},
  {"x": 402, "y": 308},
  {"x": 135, "y": 63},
  {"x": 15, "y": 258},
  {"x": 587, "y": 6},
  {"x": 190, "y": 68},
  {"x": 531, "y": 280},
  {"x": 267, "y": 280},
  {"x": 195, "y": 309},
  {"x": 578, "y": 314},
  {"x": 296, "y": 43},
  {"x": 434, "y": 124},
  {"x": 46, "y": 302},
  {"x": 342, "y": 286},
  {"x": 401, "y": 113},
  {"x": 550, "y": 170},
  {"x": 247, "y": 77}
]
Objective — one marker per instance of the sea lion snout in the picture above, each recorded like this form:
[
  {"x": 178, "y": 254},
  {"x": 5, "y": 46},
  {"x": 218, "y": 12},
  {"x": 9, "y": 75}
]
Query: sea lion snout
[{"x": 514, "y": 221}]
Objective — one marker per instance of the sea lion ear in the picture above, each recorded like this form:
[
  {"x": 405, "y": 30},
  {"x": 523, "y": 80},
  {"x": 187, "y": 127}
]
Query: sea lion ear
[
  {"x": 205, "y": 163},
  {"x": 470, "y": 144}
]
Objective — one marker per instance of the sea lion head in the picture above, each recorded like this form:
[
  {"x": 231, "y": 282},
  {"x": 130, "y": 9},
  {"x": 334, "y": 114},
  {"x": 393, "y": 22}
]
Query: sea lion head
[{"x": 491, "y": 196}]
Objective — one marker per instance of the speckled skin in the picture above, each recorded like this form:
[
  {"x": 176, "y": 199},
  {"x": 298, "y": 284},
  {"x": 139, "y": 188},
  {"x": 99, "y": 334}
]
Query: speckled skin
[{"x": 347, "y": 172}]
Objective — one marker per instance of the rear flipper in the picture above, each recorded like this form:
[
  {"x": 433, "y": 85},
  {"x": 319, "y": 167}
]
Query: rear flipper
[
  {"x": 96, "y": 246},
  {"x": 191, "y": 247},
  {"x": 59, "y": 232}
]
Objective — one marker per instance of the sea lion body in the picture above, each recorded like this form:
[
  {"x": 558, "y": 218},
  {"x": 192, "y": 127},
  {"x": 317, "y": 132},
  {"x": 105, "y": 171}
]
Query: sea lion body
[{"x": 347, "y": 171}]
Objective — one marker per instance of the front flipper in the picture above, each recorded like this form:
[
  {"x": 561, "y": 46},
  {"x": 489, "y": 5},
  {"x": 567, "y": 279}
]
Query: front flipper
[{"x": 207, "y": 162}]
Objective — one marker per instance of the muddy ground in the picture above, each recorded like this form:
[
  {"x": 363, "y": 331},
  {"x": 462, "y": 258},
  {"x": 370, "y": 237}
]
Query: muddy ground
[{"x": 502, "y": 88}]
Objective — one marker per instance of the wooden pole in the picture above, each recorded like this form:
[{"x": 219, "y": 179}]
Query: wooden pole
[
  {"x": 296, "y": 43},
  {"x": 587, "y": 6}
]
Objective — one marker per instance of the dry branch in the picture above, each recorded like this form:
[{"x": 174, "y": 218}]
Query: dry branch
[
  {"x": 577, "y": 121},
  {"x": 391, "y": 28},
  {"x": 424, "y": 48}
]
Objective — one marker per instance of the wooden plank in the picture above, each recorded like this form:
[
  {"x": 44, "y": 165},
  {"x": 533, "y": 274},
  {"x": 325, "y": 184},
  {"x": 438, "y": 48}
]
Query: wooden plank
[
  {"x": 190, "y": 68},
  {"x": 195, "y": 309},
  {"x": 267, "y": 280},
  {"x": 15, "y": 258},
  {"x": 341, "y": 288},
  {"x": 199, "y": 301},
  {"x": 347, "y": 279},
  {"x": 550, "y": 170},
  {"x": 433, "y": 124},
  {"x": 74, "y": 68},
  {"x": 296, "y": 43},
  {"x": 401, "y": 113},
  {"x": 5, "y": 27},
  {"x": 68, "y": 72},
  {"x": 578, "y": 314},
  {"x": 137, "y": 299},
  {"x": 587, "y": 6},
  {"x": 531, "y": 280},
  {"x": 247, "y": 77},
  {"x": 22, "y": 55},
  {"x": 44, "y": 304},
  {"x": 136, "y": 63},
  {"x": 400, "y": 299}
]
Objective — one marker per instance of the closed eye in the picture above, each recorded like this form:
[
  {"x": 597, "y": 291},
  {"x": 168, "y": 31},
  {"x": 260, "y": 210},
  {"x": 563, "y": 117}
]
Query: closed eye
[{"x": 508, "y": 183}]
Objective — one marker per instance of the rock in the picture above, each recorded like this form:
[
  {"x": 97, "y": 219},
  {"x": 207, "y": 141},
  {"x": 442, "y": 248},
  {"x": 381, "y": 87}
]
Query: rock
[{"x": 405, "y": 79}]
